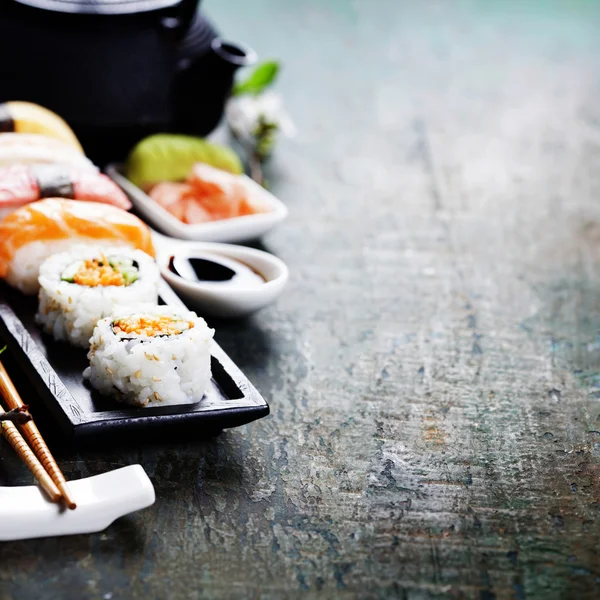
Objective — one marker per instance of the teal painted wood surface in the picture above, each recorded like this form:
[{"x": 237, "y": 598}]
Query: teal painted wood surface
[{"x": 434, "y": 366}]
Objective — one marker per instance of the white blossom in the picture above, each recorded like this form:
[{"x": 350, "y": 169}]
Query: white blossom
[{"x": 244, "y": 112}]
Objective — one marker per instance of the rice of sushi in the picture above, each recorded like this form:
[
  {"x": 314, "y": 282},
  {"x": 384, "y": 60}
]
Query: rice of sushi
[
  {"x": 155, "y": 357},
  {"x": 73, "y": 297},
  {"x": 33, "y": 148},
  {"x": 24, "y": 270}
]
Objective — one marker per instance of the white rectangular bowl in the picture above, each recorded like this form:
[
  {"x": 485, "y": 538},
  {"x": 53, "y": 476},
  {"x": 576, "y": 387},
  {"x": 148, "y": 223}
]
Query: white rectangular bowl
[{"x": 236, "y": 229}]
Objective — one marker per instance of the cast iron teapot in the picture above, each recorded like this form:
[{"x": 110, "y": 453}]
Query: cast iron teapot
[{"x": 118, "y": 70}]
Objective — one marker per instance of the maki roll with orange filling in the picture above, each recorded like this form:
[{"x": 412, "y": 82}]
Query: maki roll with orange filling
[
  {"x": 153, "y": 356},
  {"x": 84, "y": 285}
]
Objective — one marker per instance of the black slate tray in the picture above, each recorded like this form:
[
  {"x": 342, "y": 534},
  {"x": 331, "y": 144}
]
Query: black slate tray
[{"x": 55, "y": 370}]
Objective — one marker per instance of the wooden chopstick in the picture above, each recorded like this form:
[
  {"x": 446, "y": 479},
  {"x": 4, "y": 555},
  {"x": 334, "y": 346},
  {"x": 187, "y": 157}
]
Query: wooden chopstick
[
  {"x": 35, "y": 439},
  {"x": 16, "y": 440}
]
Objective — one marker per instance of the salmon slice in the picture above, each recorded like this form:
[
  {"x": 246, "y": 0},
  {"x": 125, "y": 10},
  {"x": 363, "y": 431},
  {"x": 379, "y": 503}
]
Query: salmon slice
[{"x": 57, "y": 219}]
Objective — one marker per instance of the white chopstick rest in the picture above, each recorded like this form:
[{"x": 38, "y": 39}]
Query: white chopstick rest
[{"x": 25, "y": 512}]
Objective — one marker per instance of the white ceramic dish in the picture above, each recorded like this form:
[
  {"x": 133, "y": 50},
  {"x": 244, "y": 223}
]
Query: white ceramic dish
[
  {"x": 237, "y": 229},
  {"x": 25, "y": 512},
  {"x": 214, "y": 299}
]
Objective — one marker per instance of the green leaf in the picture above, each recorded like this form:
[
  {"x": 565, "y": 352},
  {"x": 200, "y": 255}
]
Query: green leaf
[
  {"x": 2, "y": 349},
  {"x": 261, "y": 78}
]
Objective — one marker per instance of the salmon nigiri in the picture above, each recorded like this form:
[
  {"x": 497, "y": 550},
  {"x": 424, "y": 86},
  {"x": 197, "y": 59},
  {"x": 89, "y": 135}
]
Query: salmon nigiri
[
  {"x": 21, "y": 184},
  {"x": 35, "y": 231}
]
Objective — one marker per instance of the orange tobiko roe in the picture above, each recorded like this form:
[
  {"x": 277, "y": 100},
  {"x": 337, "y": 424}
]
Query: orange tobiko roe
[
  {"x": 93, "y": 274},
  {"x": 150, "y": 326}
]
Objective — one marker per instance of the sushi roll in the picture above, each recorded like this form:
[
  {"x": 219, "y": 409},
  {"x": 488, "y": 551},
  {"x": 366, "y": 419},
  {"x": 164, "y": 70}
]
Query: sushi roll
[
  {"x": 37, "y": 230},
  {"x": 81, "y": 286},
  {"x": 153, "y": 357}
]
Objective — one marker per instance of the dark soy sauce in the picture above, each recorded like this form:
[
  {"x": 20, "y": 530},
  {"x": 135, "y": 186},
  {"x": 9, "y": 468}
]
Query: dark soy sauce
[{"x": 212, "y": 268}]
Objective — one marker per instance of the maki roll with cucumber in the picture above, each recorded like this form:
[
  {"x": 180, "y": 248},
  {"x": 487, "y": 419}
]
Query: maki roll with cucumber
[
  {"x": 151, "y": 356},
  {"x": 84, "y": 285}
]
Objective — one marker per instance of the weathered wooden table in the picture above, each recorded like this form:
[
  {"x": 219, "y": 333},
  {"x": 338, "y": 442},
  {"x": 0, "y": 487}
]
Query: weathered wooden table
[{"x": 433, "y": 369}]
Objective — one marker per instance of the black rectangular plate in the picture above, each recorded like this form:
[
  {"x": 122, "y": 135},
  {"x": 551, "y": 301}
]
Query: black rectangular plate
[{"x": 55, "y": 369}]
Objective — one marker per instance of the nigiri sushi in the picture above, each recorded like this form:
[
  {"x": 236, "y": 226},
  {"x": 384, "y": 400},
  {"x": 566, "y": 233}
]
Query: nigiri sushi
[
  {"x": 26, "y": 117},
  {"x": 34, "y": 148},
  {"x": 21, "y": 184},
  {"x": 35, "y": 231}
]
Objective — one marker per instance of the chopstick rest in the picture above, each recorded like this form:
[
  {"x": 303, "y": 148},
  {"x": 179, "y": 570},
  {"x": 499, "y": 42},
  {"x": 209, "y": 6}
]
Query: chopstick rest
[{"x": 25, "y": 512}]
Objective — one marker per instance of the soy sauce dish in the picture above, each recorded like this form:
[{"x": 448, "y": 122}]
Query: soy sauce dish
[{"x": 221, "y": 280}]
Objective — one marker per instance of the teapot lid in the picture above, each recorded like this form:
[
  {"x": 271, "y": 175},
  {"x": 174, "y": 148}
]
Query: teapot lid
[{"x": 101, "y": 7}]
